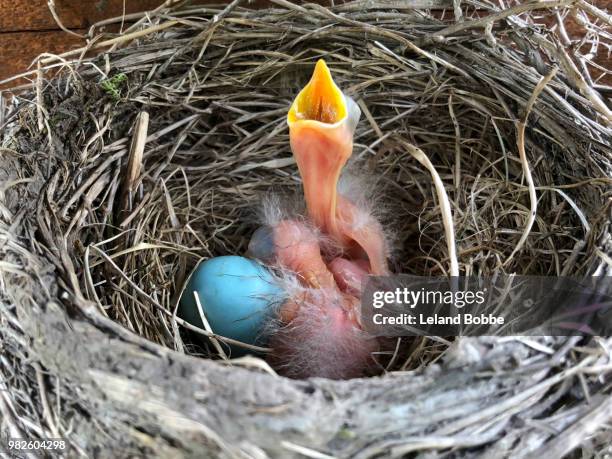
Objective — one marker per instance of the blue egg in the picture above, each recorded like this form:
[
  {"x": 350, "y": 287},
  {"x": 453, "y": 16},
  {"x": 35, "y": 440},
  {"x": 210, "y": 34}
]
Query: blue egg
[{"x": 236, "y": 294}]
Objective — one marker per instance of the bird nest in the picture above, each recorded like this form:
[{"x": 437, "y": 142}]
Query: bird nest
[{"x": 125, "y": 163}]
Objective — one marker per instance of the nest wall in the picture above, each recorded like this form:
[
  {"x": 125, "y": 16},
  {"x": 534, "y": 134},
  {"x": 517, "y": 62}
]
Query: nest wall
[{"x": 125, "y": 169}]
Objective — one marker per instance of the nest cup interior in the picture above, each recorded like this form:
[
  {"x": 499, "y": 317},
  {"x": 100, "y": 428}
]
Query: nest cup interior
[{"x": 125, "y": 239}]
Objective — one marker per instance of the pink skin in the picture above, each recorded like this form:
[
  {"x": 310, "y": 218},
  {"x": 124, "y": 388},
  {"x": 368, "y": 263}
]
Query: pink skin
[
  {"x": 320, "y": 332},
  {"x": 349, "y": 275},
  {"x": 365, "y": 233},
  {"x": 297, "y": 249},
  {"x": 322, "y": 339}
]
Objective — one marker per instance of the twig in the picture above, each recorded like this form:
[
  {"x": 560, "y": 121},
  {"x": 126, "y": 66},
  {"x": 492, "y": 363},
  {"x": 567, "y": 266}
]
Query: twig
[
  {"x": 520, "y": 140},
  {"x": 445, "y": 208},
  {"x": 583, "y": 86},
  {"x": 39, "y": 98},
  {"x": 134, "y": 164},
  {"x": 51, "y": 5},
  {"x": 592, "y": 9},
  {"x": 45, "y": 402},
  {"x": 482, "y": 22},
  {"x": 457, "y": 11},
  {"x": 304, "y": 451},
  {"x": 113, "y": 41},
  {"x": 565, "y": 442},
  {"x": 208, "y": 328},
  {"x": 457, "y": 141}
]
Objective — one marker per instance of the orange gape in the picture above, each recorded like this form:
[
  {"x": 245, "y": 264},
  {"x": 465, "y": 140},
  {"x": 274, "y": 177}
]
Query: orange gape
[
  {"x": 321, "y": 125},
  {"x": 320, "y": 100},
  {"x": 322, "y": 143}
]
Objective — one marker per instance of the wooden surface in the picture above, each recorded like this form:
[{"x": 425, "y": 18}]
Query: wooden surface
[
  {"x": 27, "y": 27},
  {"x": 34, "y": 15}
]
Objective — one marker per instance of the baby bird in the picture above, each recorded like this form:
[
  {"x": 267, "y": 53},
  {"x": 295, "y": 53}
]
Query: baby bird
[{"x": 327, "y": 255}]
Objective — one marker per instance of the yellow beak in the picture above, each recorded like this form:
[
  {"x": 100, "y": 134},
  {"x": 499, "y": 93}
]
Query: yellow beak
[
  {"x": 321, "y": 125},
  {"x": 320, "y": 101}
]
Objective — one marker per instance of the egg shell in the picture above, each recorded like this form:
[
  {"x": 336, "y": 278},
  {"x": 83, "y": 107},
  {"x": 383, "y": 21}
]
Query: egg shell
[{"x": 237, "y": 297}]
